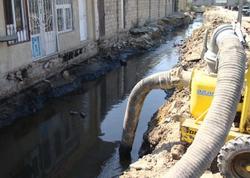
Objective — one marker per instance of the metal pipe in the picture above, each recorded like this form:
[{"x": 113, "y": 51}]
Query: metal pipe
[{"x": 164, "y": 80}]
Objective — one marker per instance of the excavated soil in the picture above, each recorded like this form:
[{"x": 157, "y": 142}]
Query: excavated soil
[{"x": 161, "y": 143}]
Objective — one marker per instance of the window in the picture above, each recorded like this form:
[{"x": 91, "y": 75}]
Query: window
[
  {"x": 64, "y": 15},
  {"x": 16, "y": 20}
]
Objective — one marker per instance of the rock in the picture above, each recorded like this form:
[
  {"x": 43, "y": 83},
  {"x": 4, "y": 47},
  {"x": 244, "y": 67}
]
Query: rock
[
  {"x": 168, "y": 20},
  {"x": 73, "y": 113},
  {"x": 66, "y": 75},
  {"x": 168, "y": 119},
  {"x": 209, "y": 174},
  {"x": 139, "y": 31},
  {"x": 123, "y": 62},
  {"x": 83, "y": 115},
  {"x": 141, "y": 165},
  {"x": 19, "y": 76},
  {"x": 101, "y": 134},
  {"x": 177, "y": 151},
  {"x": 46, "y": 65},
  {"x": 195, "y": 56}
]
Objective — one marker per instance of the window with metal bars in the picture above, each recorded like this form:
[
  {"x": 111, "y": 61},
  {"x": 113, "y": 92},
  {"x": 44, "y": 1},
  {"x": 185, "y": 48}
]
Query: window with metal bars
[
  {"x": 64, "y": 15},
  {"x": 16, "y": 20}
]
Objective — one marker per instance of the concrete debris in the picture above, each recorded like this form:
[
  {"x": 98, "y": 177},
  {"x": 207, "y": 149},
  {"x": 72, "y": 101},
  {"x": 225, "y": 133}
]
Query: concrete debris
[
  {"x": 177, "y": 151},
  {"x": 66, "y": 75},
  {"x": 145, "y": 37},
  {"x": 141, "y": 165},
  {"x": 140, "y": 30},
  {"x": 83, "y": 115},
  {"x": 73, "y": 112}
]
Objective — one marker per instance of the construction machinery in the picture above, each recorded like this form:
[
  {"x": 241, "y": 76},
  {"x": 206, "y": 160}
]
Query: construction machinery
[
  {"x": 234, "y": 157},
  {"x": 220, "y": 108}
]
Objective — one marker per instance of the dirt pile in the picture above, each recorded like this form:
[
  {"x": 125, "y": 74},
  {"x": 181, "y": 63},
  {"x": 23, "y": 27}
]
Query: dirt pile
[
  {"x": 163, "y": 136},
  {"x": 141, "y": 38}
]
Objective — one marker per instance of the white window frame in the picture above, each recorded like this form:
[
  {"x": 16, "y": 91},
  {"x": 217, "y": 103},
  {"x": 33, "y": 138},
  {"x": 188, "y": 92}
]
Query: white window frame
[{"x": 64, "y": 7}]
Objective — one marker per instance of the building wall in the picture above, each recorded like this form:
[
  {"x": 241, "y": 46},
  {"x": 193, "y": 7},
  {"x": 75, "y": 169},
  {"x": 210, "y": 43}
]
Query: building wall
[
  {"x": 66, "y": 41},
  {"x": 203, "y": 2},
  {"x": 182, "y": 5},
  {"x": 111, "y": 17},
  {"x": 12, "y": 56},
  {"x": 120, "y": 15},
  {"x": 71, "y": 39},
  {"x": 140, "y": 11},
  {"x": 169, "y": 7},
  {"x": 130, "y": 13},
  {"x": 162, "y": 7},
  {"x": 154, "y": 9},
  {"x": 143, "y": 11}
]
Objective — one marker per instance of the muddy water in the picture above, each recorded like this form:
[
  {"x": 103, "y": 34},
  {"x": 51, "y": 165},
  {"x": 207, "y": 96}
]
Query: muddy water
[{"x": 76, "y": 136}]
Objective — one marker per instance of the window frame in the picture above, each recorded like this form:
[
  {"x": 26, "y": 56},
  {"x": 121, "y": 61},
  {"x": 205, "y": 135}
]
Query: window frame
[
  {"x": 63, "y": 7},
  {"x": 25, "y": 21}
]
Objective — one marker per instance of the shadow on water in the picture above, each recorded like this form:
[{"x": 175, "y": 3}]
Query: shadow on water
[{"x": 77, "y": 135}]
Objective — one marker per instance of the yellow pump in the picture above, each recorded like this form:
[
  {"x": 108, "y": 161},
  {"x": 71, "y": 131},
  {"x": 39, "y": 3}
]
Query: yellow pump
[
  {"x": 202, "y": 91},
  {"x": 203, "y": 87}
]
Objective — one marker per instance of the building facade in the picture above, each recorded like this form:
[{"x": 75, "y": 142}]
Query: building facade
[
  {"x": 203, "y": 2},
  {"x": 42, "y": 28},
  {"x": 38, "y": 30}
]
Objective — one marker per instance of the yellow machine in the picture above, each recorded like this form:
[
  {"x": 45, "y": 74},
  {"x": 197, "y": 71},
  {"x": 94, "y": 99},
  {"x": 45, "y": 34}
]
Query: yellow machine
[
  {"x": 202, "y": 91},
  {"x": 236, "y": 158}
]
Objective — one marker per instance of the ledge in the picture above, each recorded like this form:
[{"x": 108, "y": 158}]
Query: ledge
[{"x": 8, "y": 38}]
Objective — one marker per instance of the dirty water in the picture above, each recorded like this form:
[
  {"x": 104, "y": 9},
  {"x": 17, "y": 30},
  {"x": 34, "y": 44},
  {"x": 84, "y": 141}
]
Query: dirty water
[{"x": 77, "y": 135}]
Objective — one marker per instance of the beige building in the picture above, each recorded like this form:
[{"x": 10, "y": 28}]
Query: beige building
[
  {"x": 37, "y": 31},
  {"x": 203, "y": 2}
]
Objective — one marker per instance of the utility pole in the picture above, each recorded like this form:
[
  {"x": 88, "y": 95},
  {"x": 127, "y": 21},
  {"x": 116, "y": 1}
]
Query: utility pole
[{"x": 239, "y": 20}]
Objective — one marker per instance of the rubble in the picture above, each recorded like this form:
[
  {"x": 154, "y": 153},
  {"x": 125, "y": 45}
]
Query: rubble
[{"x": 144, "y": 37}]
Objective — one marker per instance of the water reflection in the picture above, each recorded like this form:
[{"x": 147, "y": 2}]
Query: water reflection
[
  {"x": 58, "y": 140},
  {"x": 75, "y": 136}
]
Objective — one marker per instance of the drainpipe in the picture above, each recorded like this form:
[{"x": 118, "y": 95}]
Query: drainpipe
[{"x": 164, "y": 80}]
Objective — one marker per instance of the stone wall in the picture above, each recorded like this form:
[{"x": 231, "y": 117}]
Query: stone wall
[
  {"x": 131, "y": 13},
  {"x": 182, "y": 5},
  {"x": 162, "y": 8},
  {"x": 121, "y": 15},
  {"x": 154, "y": 9},
  {"x": 111, "y": 17},
  {"x": 205, "y": 2},
  {"x": 143, "y": 11}
]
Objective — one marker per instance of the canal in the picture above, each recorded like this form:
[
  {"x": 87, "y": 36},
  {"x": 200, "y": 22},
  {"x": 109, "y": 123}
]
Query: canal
[{"x": 77, "y": 135}]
